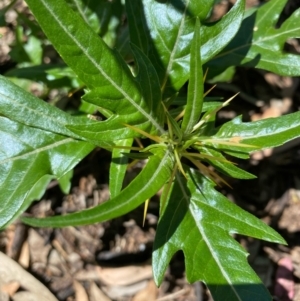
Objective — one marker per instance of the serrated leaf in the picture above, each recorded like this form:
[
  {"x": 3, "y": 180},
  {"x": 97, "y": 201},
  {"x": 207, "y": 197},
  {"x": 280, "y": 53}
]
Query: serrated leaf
[
  {"x": 144, "y": 186},
  {"x": 28, "y": 155},
  {"x": 202, "y": 221},
  {"x": 194, "y": 104},
  {"x": 266, "y": 133},
  {"x": 92, "y": 60},
  {"x": 260, "y": 43}
]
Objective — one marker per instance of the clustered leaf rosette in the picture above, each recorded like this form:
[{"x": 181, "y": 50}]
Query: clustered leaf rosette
[{"x": 148, "y": 114}]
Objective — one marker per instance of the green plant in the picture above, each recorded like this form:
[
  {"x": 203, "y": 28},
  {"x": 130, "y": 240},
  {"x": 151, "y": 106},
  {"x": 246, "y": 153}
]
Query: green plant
[{"x": 170, "y": 41}]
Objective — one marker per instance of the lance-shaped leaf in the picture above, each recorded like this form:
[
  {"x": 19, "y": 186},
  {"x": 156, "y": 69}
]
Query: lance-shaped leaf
[
  {"x": 167, "y": 40},
  {"x": 113, "y": 128},
  {"x": 224, "y": 166},
  {"x": 92, "y": 60},
  {"x": 28, "y": 155},
  {"x": 235, "y": 135},
  {"x": 21, "y": 106},
  {"x": 144, "y": 186},
  {"x": 201, "y": 224},
  {"x": 139, "y": 34},
  {"x": 214, "y": 37},
  {"x": 118, "y": 167},
  {"x": 193, "y": 107},
  {"x": 260, "y": 43}
]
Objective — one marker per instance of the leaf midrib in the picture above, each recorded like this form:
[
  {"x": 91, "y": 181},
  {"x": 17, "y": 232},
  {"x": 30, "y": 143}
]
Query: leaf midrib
[
  {"x": 205, "y": 239},
  {"x": 38, "y": 112},
  {"x": 38, "y": 150},
  {"x": 153, "y": 178},
  {"x": 80, "y": 11},
  {"x": 255, "y": 43},
  {"x": 263, "y": 16},
  {"x": 174, "y": 50},
  {"x": 270, "y": 134},
  {"x": 83, "y": 219},
  {"x": 104, "y": 74}
]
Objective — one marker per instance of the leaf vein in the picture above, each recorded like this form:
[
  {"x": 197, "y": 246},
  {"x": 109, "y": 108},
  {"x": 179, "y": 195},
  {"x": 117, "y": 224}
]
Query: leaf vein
[{"x": 85, "y": 51}]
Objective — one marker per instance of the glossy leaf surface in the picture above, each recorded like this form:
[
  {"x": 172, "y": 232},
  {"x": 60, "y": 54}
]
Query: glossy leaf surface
[
  {"x": 23, "y": 107},
  {"x": 118, "y": 167},
  {"x": 200, "y": 221},
  {"x": 194, "y": 104},
  {"x": 167, "y": 40},
  {"x": 260, "y": 134},
  {"x": 260, "y": 42},
  {"x": 145, "y": 185},
  {"x": 29, "y": 154},
  {"x": 156, "y": 95},
  {"x": 92, "y": 60},
  {"x": 224, "y": 167}
]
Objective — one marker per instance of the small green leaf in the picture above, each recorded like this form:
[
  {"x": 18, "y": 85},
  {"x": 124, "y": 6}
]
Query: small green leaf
[
  {"x": 266, "y": 133},
  {"x": 33, "y": 48},
  {"x": 260, "y": 43},
  {"x": 65, "y": 181},
  {"x": 144, "y": 186},
  {"x": 118, "y": 167},
  {"x": 215, "y": 36},
  {"x": 124, "y": 112},
  {"x": 202, "y": 221},
  {"x": 194, "y": 104},
  {"x": 226, "y": 168}
]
